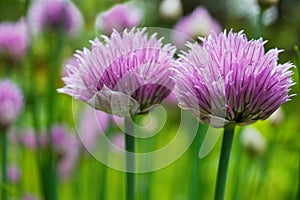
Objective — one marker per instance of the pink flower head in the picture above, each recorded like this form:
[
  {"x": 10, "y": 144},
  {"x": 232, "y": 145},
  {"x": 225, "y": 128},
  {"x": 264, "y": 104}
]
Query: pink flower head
[
  {"x": 13, "y": 174},
  {"x": 69, "y": 159},
  {"x": 11, "y": 102},
  {"x": 52, "y": 15},
  {"x": 28, "y": 196},
  {"x": 59, "y": 137},
  {"x": 28, "y": 139},
  {"x": 14, "y": 39},
  {"x": 119, "y": 17},
  {"x": 119, "y": 140},
  {"x": 127, "y": 74},
  {"x": 231, "y": 80},
  {"x": 92, "y": 124},
  {"x": 198, "y": 23}
]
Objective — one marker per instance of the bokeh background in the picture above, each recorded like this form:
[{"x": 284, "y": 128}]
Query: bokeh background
[{"x": 265, "y": 156}]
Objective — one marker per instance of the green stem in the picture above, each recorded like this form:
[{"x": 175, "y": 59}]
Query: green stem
[
  {"x": 297, "y": 56},
  {"x": 4, "y": 163},
  {"x": 298, "y": 194},
  {"x": 195, "y": 182},
  {"x": 260, "y": 24},
  {"x": 224, "y": 162},
  {"x": 55, "y": 50},
  {"x": 130, "y": 160}
]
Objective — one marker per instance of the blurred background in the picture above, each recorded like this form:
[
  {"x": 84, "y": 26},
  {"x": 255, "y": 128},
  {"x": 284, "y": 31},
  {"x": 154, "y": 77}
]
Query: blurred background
[{"x": 264, "y": 162}]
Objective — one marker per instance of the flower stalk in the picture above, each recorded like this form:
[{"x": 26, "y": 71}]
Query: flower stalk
[
  {"x": 297, "y": 55},
  {"x": 4, "y": 163},
  {"x": 224, "y": 162},
  {"x": 195, "y": 183},
  {"x": 130, "y": 160}
]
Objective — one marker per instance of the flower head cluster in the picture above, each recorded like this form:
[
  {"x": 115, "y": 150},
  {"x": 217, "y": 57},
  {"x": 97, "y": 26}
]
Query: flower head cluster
[
  {"x": 128, "y": 73},
  {"x": 11, "y": 102},
  {"x": 198, "y": 23},
  {"x": 119, "y": 17},
  {"x": 13, "y": 39},
  {"x": 231, "y": 80},
  {"x": 13, "y": 174},
  {"x": 52, "y": 15}
]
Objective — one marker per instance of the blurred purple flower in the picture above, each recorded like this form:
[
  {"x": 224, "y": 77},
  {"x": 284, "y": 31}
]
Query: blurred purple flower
[
  {"x": 13, "y": 174},
  {"x": 92, "y": 124},
  {"x": 29, "y": 197},
  {"x": 119, "y": 140},
  {"x": 171, "y": 99},
  {"x": 14, "y": 39},
  {"x": 129, "y": 73},
  {"x": 198, "y": 23},
  {"x": 119, "y": 17},
  {"x": 68, "y": 161},
  {"x": 231, "y": 80},
  {"x": 28, "y": 139},
  {"x": 51, "y": 15},
  {"x": 11, "y": 102},
  {"x": 59, "y": 137}
]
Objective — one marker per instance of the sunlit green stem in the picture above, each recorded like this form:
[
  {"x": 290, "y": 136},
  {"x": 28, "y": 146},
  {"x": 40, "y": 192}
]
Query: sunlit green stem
[
  {"x": 224, "y": 162},
  {"x": 195, "y": 183},
  {"x": 4, "y": 163},
  {"x": 130, "y": 160}
]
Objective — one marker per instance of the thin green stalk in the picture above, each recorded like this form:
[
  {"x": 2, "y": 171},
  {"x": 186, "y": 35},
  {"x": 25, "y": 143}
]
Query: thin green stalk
[
  {"x": 297, "y": 55},
  {"x": 102, "y": 194},
  {"x": 130, "y": 160},
  {"x": 55, "y": 50},
  {"x": 144, "y": 145},
  {"x": 298, "y": 194},
  {"x": 195, "y": 181},
  {"x": 224, "y": 162},
  {"x": 4, "y": 163}
]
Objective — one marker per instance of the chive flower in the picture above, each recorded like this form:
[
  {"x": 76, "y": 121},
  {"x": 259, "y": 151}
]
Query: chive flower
[
  {"x": 11, "y": 102},
  {"x": 119, "y": 17},
  {"x": 231, "y": 80},
  {"x": 14, "y": 39},
  {"x": 53, "y": 15},
  {"x": 198, "y": 23},
  {"x": 126, "y": 74}
]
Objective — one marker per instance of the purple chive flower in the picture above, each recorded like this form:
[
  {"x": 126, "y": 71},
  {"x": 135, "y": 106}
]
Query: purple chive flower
[
  {"x": 93, "y": 123},
  {"x": 198, "y": 23},
  {"x": 129, "y": 73},
  {"x": 70, "y": 157},
  {"x": 119, "y": 17},
  {"x": 13, "y": 174},
  {"x": 28, "y": 139},
  {"x": 119, "y": 140},
  {"x": 59, "y": 136},
  {"x": 14, "y": 39},
  {"x": 11, "y": 102},
  {"x": 52, "y": 15},
  {"x": 231, "y": 80},
  {"x": 28, "y": 196}
]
